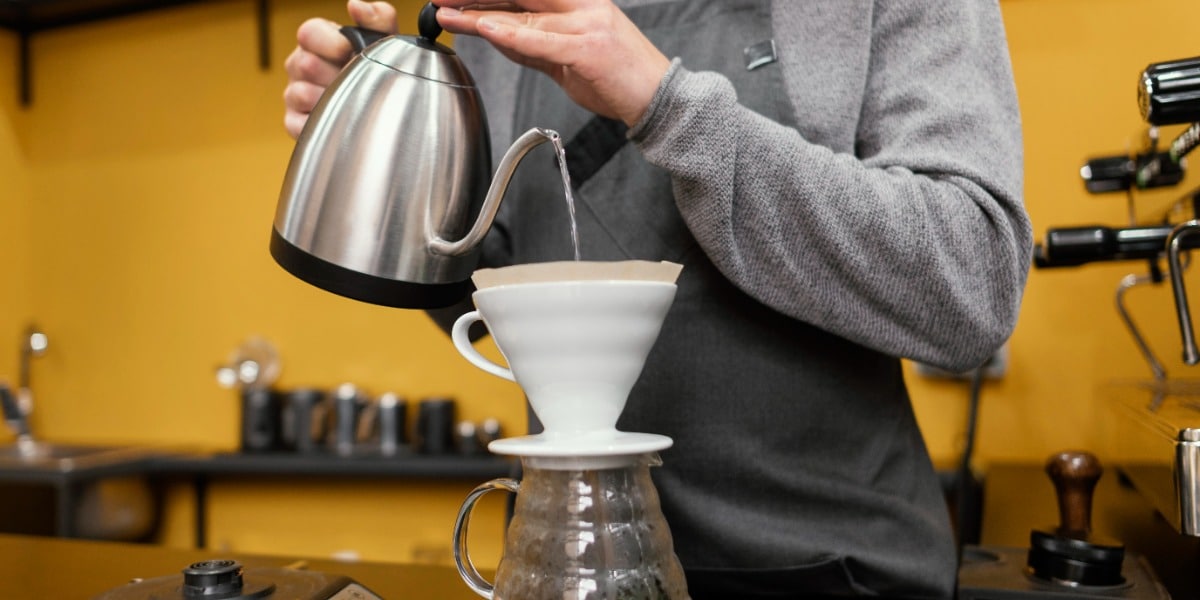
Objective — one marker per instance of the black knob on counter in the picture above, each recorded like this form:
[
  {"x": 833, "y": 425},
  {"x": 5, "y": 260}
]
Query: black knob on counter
[
  {"x": 1169, "y": 92},
  {"x": 212, "y": 579}
]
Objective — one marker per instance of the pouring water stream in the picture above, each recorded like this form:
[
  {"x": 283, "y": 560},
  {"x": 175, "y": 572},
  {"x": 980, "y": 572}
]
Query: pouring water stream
[{"x": 561, "y": 153}]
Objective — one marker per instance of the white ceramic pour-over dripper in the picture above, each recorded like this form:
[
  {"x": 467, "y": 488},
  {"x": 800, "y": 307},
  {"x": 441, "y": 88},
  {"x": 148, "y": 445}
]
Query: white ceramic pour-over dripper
[{"x": 576, "y": 347}]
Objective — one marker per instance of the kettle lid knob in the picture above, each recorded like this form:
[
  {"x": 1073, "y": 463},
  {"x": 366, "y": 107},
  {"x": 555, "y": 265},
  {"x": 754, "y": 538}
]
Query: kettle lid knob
[{"x": 427, "y": 24}]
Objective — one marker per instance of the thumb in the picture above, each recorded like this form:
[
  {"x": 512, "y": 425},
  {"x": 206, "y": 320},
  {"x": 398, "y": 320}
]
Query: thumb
[{"x": 379, "y": 16}]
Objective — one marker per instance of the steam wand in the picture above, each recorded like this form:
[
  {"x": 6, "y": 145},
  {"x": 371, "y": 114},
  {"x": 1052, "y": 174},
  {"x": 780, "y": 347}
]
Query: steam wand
[
  {"x": 1130, "y": 281},
  {"x": 1191, "y": 354}
]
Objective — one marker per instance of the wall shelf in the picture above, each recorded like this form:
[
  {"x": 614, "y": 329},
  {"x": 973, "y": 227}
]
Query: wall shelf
[
  {"x": 70, "y": 482},
  {"x": 28, "y": 17},
  {"x": 405, "y": 465}
]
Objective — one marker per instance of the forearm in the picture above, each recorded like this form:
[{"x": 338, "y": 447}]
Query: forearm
[{"x": 920, "y": 249}]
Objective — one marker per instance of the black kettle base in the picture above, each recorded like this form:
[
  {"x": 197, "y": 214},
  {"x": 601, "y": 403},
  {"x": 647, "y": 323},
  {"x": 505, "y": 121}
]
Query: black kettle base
[{"x": 361, "y": 286}]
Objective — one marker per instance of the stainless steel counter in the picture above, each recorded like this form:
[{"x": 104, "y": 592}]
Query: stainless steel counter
[{"x": 1154, "y": 436}]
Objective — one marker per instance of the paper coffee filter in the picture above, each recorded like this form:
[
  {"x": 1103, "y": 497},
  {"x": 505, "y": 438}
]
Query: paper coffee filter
[{"x": 578, "y": 270}]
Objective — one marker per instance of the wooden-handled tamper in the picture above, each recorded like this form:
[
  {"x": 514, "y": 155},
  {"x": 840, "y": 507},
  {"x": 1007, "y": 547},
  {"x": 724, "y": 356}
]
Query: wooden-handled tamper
[{"x": 1071, "y": 554}]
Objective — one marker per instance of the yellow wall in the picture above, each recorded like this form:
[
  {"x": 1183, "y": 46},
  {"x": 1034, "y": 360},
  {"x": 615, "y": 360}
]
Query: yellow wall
[
  {"x": 139, "y": 187},
  {"x": 153, "y": 155}
]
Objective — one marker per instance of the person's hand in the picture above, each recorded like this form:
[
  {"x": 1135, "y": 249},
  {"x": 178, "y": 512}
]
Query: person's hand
[
  {"x": 320, "y": 54},
  {"x": 589, "y": 47}
]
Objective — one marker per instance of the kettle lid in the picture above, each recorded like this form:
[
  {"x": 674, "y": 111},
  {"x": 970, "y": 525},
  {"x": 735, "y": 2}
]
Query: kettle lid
[{"x": 421, "y": 55}]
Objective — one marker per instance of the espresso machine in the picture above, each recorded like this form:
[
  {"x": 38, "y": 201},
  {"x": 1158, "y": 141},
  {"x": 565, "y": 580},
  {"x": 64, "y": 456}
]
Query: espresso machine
[
  {"x": 1155, "y": 422},
  {"x": 1158, "y": 439}
]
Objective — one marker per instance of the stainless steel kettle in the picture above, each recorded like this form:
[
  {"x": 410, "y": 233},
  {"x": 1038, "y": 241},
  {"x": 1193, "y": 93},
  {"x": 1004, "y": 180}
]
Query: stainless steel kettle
[{"x": 387, "y": 195}]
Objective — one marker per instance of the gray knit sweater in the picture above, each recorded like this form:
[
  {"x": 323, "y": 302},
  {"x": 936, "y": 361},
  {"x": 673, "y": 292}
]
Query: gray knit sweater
[{"x": 894, "y": 217}]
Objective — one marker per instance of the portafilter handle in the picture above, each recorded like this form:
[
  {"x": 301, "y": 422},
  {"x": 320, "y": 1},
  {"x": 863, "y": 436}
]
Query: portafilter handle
[
  {"x": 1191, "y": 355},
  {"x": 1169, "y": 92}
]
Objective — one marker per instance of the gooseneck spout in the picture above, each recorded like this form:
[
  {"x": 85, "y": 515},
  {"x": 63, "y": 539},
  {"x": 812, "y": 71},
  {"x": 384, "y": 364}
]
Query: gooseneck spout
[
  {"x": 1191, "y": 355},
  {"x": 491, "y": 203}
]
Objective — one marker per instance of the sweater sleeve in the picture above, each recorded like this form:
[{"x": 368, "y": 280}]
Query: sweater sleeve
[{"x": 917, "y": 244}]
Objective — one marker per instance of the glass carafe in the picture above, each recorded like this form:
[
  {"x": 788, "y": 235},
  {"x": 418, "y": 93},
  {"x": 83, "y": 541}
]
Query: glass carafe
[{"x": 584, "y": 528}]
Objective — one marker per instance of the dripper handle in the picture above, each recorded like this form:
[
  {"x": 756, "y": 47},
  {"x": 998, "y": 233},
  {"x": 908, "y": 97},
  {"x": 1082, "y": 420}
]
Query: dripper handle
[
  {"x": 462, "y": 559},
  {"x": 462, "y": 341}
]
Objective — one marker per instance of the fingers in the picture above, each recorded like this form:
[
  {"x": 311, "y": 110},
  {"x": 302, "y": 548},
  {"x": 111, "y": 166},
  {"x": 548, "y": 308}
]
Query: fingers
[
  {"x": 302, "y": 96},
  {"x": 320, "y": 54},
  {"x": 293, "y": 122},
  {"x": 322, "y": 38},
  {"x": 508, "y": 5},
  {"x": 313, "y": 65},
  {"x": 299, "y": 99},
  {"x": 379, "y": 16},
  {"x": 540, "y": 37},
  {"x": 588, "y": 47}
]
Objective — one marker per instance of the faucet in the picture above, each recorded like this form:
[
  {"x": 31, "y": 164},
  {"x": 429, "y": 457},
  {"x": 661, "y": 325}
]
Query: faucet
[
  {"x": 16, "y": 408},
  {"x": 1129, "y": 282},
  {"x": 33, "y": 344}
]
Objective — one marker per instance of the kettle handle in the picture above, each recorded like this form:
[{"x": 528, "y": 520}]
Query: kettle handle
[
  {"x": 361, "y": 37},
  {"x": 427, "y": 25},
  {"x": 466, "y": 568}
]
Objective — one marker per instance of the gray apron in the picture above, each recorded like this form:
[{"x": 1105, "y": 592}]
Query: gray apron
[{"x": 798, "y": 466}]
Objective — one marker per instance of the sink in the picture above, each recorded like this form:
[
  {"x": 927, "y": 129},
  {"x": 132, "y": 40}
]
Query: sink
[{"x": 26, "y": 454}]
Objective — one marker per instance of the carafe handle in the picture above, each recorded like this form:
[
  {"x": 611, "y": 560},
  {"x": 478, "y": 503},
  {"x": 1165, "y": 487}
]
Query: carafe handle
[
  {"x": 462, "y": 341},
  {"x": 466, "y": 568}
]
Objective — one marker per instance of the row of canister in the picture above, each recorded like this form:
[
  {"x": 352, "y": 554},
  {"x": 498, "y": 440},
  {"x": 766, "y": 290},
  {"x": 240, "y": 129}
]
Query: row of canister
[{"x": 349, "y": 422}]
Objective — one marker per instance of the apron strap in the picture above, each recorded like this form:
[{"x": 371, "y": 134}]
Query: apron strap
[{"x": 594, "y": 145}]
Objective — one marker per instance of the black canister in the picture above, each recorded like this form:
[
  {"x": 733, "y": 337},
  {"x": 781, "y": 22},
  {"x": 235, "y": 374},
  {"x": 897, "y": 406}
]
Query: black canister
[
  {"x": 304, "y": 420},
  {"x": 260, "y": 420},
  {"x": 348, "y": 403},
  {"x": 393, "y": 419},
  {"x": 434, "y": 431},
  {"x": 466, "y": 439}
]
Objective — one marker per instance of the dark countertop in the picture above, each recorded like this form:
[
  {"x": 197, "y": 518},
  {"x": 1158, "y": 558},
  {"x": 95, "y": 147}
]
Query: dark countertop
[
  {"x": 45, "y": 568},
  {"x": 1018, "y": 498}
]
